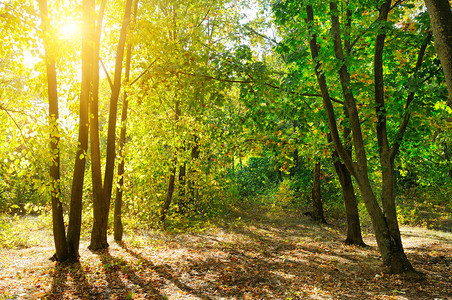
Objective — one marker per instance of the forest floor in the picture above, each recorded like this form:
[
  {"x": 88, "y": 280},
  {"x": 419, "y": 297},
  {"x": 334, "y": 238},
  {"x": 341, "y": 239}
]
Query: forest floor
[{"x": 262, "y": 256}]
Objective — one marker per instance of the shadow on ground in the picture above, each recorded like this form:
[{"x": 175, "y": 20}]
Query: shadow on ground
[{"x": 290, "y": 258}]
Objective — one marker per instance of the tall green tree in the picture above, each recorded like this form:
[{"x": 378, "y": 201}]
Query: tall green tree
[
  {"x": 328, "y": 58},
  {"x": 293, "y": 87}
]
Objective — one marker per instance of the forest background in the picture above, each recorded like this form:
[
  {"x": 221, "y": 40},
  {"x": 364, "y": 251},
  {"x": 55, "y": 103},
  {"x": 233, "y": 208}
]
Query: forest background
[{"x": 121, "y": 116}]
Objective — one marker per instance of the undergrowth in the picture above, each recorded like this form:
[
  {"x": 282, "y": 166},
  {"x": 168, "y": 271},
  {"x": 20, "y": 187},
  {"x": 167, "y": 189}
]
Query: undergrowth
[{"x": 15, "y": 230}]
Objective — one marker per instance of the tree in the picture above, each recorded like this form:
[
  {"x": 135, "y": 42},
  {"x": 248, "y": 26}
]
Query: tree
[
  {"x": 102, "y": 191},
  {"x": 294, "y": 86},
  {"x": 176, "y": 96},
  {"x": 75, "y": 213},
  {"x": 117, "y": 225},
  {"x": 354, "y": 236},
  {"x": 337, "y": 76},
  {"x": 440, "y": 19},
  {"x": 317, "y": 205},
  {"x": 384, "y": 221},
  {"x": 59, "y": 232}
]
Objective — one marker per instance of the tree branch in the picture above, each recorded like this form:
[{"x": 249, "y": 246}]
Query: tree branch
[
  {"x": 406, "y": 116},
  {"x": 145, "y": 71},
  {"x": 106, "y": 73}
]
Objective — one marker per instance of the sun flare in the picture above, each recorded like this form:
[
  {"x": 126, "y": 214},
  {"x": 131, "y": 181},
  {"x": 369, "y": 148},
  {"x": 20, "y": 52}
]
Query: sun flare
[{"x": 69, "y": 30}]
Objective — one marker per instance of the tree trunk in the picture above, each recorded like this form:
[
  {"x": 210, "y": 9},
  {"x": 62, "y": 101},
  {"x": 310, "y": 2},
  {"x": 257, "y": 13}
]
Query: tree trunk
[
  {"x": 389, "y": 245},
  {"x": 182, "y": 182},
  {"x": 118, "y": 228},
  {"x": 317, "y": 205},
  {"x": 194, "y": 156},
  {"x": 59, "y": 233},
  {"x": 387, "y": 155},
  {"x": 296, "y": 163},
  {"x": 447, "y": 157},
  {"x": 102, "y": 198},
  {"x": 75, "y": 213},
  {"x": 354, "y": 236},
  {"x": 172, "y": 178},
  {"x": 440, "y": 18},
  {"x": 96, "y": 173},
  {"x": 169, "y": 193}
]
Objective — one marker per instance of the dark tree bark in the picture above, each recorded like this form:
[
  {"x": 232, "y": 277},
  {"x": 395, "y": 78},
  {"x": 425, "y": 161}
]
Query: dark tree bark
[
  {"x": 441, "y": 22},
  {"x": 317, "y": 205},
  {"x": 96, "y": 173},
  {"x": 387, "y": 154},
  {"x": 296, "y": 163},
  {"x": 448, "y": 157},
  {"x": 102, "y": 194},
  {"x": 182, "y": 181},
  {"x": 59, "y": 233},
  {"x": 182, "y": 186},
  {"x": 75, "y": 213},
  {"x": 354, "y": 236}
]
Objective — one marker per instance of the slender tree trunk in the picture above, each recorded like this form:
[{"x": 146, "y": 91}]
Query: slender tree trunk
[
  {"x": 317, "y": 205},
  {"x": 387, "y": 155},
  {"x": 296, "y": 163},
  {"x": 169, "y": 193},
  {"x": 75, "y": 213},
  {"x": 440, "y": 18},
  {"x": 117, "y": 225},
  {"x": 102, "y": 198},
  {"x": 118, "y": 228},
  {"x": 354, "y": 236},
  {"x": 182, "y": 185},
  {"x": 172, "y": 178},
  {"x": 96, "y": 173},
  {"x": 59, "y": 233},
  {"x": 447, "y": 157},
  {"x": 194, "y": 156}
]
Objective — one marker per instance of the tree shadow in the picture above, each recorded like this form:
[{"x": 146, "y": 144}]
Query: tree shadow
[
  {"x": 65, "y": 271},
  {"x": 257, "y": 261},
  {"x": 257, "y": 266},
  {"x": 123, "y": 279},
  {"x": 163, "y": 271}
]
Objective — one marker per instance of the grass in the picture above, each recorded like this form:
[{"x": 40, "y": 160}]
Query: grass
[{"x": 15, "y": 231}]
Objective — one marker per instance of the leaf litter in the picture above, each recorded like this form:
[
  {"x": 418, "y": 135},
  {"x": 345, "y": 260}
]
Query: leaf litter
[{"x": 290, "y": 258}]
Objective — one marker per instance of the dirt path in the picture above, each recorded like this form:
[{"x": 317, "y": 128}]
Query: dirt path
[{"x": 295, "y": 259}]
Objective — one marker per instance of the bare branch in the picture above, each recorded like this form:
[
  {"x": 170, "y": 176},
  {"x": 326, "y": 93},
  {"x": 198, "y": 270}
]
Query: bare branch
[
  {"x": 145, "y": 71},
  {"x": 106, "y": 73}
]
